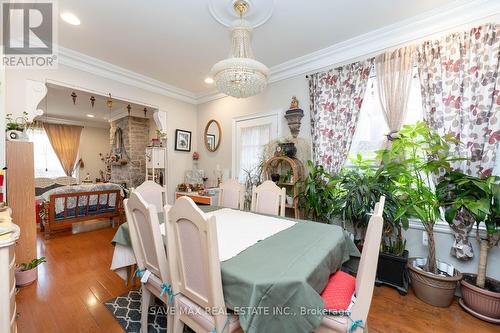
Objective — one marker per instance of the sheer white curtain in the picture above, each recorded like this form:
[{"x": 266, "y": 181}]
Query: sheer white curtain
[
  {"x": 252, "y": 142},
  {"x": 46, "y": 161}
]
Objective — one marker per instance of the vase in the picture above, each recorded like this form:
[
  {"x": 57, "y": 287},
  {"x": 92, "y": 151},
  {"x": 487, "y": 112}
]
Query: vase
[
  {"x": 24, "y": 278},
  {"x": 289, "y": 149}
]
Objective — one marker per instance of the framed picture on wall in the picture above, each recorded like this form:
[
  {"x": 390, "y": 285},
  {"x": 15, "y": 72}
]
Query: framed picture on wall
[{"x": 182, "y": 140}]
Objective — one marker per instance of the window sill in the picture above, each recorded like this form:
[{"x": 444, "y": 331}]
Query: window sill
[{"x": 443, "y": 228}]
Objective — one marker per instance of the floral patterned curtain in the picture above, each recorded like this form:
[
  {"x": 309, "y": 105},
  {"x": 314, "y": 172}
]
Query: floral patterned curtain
[
  {"x": 460, "y": 94},
  {"x": 336, "y": 96}
]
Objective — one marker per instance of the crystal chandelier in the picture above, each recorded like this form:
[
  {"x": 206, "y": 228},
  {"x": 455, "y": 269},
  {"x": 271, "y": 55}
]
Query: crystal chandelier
[{"x": 240, "y": 75}]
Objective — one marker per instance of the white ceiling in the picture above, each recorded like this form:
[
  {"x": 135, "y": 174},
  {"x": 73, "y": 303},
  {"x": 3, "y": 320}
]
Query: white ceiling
[{"x": 177, "y": 42}]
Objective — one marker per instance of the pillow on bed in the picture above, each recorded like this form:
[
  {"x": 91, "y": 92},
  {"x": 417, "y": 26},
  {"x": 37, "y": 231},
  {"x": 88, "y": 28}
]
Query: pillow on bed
[
  {"x": 41, "y": 190},
  {"x": 339, "y": 291}
]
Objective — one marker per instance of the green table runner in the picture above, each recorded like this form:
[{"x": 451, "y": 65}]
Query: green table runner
[{"x": 275, "y": 285}]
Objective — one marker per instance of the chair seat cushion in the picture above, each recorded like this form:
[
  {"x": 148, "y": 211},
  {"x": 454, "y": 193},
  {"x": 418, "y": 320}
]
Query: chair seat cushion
[{"x": 339, "y": 290}]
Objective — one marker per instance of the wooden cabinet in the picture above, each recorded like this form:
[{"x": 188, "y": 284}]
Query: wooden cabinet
[
  {"x": 21, "y": 196},
  {"x": 8, "y": 286}
]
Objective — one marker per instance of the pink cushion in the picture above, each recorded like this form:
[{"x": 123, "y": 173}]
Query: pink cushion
[{"x": 339, "y": 290}]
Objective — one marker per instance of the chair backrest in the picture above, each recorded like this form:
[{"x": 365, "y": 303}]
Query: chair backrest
[
  {"x": 268, "y": 198},
  {"x": 367, "y": 269},
  {"x": 194, "y": 257},
  {"x": 152, "y": 193},
  {"x": 146, "y": 236},
  {"x": 232, "y": 194}
]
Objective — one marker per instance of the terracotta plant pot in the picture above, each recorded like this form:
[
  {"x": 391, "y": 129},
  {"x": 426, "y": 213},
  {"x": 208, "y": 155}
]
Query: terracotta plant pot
[
  {"x": 24, "y": 278},
  {"x": 482, "y": 303},
  {"x": 433, "y": 289}
]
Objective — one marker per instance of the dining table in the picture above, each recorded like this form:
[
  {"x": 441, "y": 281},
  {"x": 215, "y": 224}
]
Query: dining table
[{"x": 275, "y": 284}]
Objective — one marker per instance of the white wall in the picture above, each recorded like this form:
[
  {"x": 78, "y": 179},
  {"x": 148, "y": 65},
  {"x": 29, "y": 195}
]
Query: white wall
[
  {"x": 276, "y": 97},
  {"x": 179, "y": 114},
  {"x": 93, "y": 141}
]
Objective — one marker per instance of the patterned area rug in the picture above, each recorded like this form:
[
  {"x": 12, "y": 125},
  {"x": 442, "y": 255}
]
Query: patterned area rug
[{"x": 127, "y": 311}]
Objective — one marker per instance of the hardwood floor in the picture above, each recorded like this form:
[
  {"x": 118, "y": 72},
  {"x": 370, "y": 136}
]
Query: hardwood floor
[{"x": 76, "y": 280}]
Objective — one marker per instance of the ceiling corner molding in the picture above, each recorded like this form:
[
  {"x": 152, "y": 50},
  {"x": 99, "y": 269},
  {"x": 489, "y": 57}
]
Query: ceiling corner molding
[
  {"x": 441, "y": 19},
  {"x": 83, "y": 62},
  {"x": 209, "y": 96}
]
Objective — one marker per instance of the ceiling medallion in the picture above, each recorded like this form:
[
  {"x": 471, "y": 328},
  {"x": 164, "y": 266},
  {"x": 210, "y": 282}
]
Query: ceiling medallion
[
  {"x": 240, "y": 75},
  {"x": 258, "y": 13}
]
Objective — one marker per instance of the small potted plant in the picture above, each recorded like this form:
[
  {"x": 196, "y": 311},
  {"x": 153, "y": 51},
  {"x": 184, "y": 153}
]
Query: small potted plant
[
  {"x": 161, "y": 136},
  {"x": 27, "y": 273},
  {"x": 18, "y": 124},
  {"x": 481, "y": 199}
]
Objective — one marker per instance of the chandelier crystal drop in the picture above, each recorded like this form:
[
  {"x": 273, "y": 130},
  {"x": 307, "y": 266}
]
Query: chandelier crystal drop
[{"x": 240, "y": 75}]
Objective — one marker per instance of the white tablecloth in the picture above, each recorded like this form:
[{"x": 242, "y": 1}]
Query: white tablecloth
[{"x": 236, "y": 231}]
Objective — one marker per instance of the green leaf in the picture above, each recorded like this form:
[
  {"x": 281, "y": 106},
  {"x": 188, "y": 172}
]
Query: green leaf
[{"x": 450, "y": 214}]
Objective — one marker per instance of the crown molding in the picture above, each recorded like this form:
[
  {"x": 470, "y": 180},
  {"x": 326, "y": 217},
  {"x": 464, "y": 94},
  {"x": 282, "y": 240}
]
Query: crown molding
[
  {"x": 105, "y": 69},
  {"x": 83, "y": 123},
  {"x": 449, "y": 16},
  {"x": 441, "y": 19}
]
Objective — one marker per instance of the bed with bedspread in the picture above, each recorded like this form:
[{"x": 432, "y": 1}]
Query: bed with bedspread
[{"x": 65, "y": 205}]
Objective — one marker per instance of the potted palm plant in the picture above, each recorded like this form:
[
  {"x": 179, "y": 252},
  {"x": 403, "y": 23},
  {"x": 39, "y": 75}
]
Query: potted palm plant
[
  {"x": 318, "y": 195},
  {"x": 27, "y": 273},
  {"x": 414, "y": 159},
  {"x": 361, "y": 188},
  {"x": 481, "y": 199}
]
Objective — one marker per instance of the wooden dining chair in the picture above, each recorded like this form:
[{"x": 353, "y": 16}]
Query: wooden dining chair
[
  {"x": 149, "y": 250},
  {"x": 153, "y": 193},
  {"x": 196, "y": 274},
  {"x": 362, "y": 286},
  {"x": 268, "y": 198},
  {"x": 232, "y": 194}
]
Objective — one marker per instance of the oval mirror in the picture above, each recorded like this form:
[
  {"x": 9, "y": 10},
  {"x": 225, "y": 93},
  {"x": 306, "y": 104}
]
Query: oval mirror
[{"x": 213, "y": 135}]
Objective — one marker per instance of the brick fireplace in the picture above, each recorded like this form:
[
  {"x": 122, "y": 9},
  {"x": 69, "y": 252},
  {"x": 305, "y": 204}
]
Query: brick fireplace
[{"x": 135, "y": 137}]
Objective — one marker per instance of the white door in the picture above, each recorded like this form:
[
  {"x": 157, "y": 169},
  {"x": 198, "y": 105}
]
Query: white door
[{"x": 251, "y": 135}]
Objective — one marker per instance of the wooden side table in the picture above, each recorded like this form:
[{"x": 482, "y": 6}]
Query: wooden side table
[{"x": 199, "y": 199}]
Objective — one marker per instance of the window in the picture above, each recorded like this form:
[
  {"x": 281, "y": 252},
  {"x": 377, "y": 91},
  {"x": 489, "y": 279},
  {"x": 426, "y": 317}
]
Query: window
[
  {"x": 46, "y": 161},
  {"x": 372, "y": 129},
  {"x": 251, "y": 136}
]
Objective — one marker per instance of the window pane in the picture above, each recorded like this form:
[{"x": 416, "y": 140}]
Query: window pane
[
  {"x": 46, "y": 162},
  {"x": 252, "y": 142},
  {"x": 372, "y": 129}
]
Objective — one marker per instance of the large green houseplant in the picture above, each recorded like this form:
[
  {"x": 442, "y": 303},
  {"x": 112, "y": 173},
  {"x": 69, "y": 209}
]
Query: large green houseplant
[
  {"x": 415, "y": 158},
  {"x": 359, "y": 188},
  {"x": 479, "y": 197},
  {"x": 318, "y": 194}
]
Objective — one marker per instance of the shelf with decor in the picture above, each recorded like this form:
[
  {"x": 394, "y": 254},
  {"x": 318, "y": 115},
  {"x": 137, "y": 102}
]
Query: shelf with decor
[{"x": 286, "y": 172}]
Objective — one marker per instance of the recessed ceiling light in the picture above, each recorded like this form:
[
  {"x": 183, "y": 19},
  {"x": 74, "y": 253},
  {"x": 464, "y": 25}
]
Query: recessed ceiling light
[
  {"x": 70, "y": 18},
  {"x": 90, "y": 115},
  {"x": 209, "y": 80}
]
